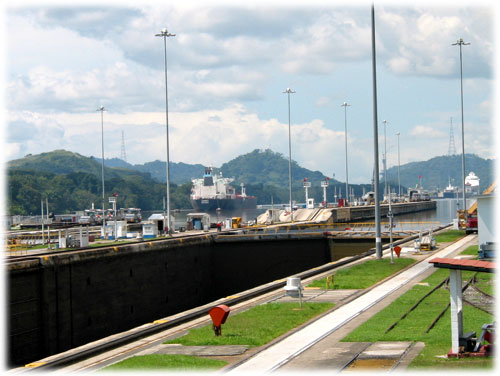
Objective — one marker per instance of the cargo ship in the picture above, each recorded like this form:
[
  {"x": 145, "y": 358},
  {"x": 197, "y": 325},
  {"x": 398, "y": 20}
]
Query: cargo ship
[{"x": 214, "y": 191}]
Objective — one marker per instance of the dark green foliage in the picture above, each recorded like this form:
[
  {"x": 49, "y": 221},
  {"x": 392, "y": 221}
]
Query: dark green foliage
[{"x": 77, "y": 191}]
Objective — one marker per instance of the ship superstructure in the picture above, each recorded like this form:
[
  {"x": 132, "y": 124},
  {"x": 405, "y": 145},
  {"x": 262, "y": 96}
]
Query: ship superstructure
[{"x": 214, "y": 191}]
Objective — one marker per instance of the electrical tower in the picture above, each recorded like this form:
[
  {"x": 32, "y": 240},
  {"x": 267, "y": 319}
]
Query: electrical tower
[
  {"x": 451, "y": 147},
  {"x": 123, "y": 155}
]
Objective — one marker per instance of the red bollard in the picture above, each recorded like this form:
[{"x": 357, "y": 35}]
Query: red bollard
[
  {"x": 219, "y": 315},
  {"x": 397, "y": 249}
]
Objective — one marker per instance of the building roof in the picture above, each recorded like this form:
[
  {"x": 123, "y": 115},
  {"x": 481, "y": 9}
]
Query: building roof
[{"x": 473, "y": 265}]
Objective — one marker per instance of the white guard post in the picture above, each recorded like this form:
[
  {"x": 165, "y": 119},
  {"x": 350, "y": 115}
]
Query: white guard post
[
  {"x": 294, "y": 288},
  {"x": 456, "y": 304}
]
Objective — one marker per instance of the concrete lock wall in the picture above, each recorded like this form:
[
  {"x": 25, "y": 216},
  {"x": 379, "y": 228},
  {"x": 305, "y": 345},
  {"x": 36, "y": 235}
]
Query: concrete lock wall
[{"x": 59, "y": 302}]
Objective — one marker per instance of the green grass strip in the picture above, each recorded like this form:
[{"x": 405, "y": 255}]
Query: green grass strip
[
  {"x": 412, "y": 328},
  {"x": 169, "y": 362},
  {"x": 256, "y": 326},
  {"x": 472, "y": 250},
  {"x": 364, "y": 275},
  {"x": 449, "y": 236}
]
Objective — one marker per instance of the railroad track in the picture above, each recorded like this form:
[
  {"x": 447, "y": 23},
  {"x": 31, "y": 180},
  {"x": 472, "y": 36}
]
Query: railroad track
[{"x": 179, "y": 322}]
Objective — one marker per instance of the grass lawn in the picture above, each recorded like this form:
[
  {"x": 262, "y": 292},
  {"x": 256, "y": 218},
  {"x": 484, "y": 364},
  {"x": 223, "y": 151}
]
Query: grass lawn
[
  {"x": 413, "y": 327},
  {"x": 449, "y": 236},
  {"x": 170, "y": 362},
  {"x": 364, "y": 275},
  {"x": 256, "y": 326},
  {"x": 472, "y": 250}
]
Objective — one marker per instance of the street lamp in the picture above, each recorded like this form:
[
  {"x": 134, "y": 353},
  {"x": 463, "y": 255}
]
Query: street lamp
[
  {"x": 289, "y": 91},
  {"x": 165, "y": 34},
  {"x": 399, "y": 165},
  {"x": 460, "y": 43},
  {"x": 385, "y": 158},
  {"x": 102, "y": 109},
  {"x": 345, "y": 105},
  {"x": 378, "y": 236}
]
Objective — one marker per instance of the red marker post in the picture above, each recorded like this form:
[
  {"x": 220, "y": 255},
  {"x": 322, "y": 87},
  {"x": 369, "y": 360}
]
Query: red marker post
[{"x": 219, "y": 315}]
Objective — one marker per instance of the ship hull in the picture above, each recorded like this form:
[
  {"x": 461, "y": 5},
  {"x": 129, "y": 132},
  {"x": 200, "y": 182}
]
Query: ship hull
[{"x": 204, "y": 205}]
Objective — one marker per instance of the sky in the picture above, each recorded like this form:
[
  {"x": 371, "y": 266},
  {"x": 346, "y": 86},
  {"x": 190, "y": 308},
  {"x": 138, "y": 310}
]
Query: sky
[{"x": 228, "y": 66}]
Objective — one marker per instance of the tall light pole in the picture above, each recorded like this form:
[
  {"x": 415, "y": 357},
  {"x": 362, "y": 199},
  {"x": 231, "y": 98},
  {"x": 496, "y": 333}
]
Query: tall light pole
[
  {"x": 460, "y": 43},
  {"x": 102, "y": 109},
  {"x": 378, "y": 236},
  {"x": 385, "y": 158},
  {"x": 165, "y": 34},
  {"x": 345, "y": 105},
  {"x": 399, "y": 165},
  {"x": 289, "y": 91}
]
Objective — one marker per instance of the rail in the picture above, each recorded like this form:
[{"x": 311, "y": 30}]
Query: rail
[{"x": 157, "y": 326}]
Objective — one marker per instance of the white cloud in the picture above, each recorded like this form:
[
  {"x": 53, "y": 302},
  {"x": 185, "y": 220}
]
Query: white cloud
[
  {"x": 63, "y": 62},
  {"x": 418, "y": 40},
  {"x": 423, "y": 131}
]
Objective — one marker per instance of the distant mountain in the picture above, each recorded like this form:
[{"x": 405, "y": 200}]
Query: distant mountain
[
  {"x": 180, "y": 173},
  {"x": 73, "y": 182},
  {"x": 116, "y": 162},
  {"x": 66, "y": 162},
  {"x": 437, "y": 171}
]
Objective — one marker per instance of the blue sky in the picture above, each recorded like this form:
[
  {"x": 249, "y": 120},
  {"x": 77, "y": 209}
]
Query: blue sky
[{"x": 227, "y": 69}]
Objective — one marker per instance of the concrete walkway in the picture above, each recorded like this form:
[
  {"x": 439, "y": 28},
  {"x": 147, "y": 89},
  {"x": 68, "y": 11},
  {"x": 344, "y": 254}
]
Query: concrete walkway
[{"x": 276, "y": 356}]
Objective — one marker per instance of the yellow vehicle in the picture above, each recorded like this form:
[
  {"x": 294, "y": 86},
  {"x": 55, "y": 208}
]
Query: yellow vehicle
[
  {"x": 235, "y": 222},
  {"x": 467, "y": 219}
]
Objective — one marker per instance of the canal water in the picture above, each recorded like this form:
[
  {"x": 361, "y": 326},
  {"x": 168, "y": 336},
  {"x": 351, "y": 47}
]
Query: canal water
[{"x": 446, "y": 211}]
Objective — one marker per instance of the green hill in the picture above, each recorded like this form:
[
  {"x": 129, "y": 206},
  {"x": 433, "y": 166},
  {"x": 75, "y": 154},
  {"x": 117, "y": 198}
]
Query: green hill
[
  {"x": 66, "y": 162},
  {"x": 180, "y": 173},
  {"x": 73, "y": 182},
  {"x": 268, "y": 167},
  {"x": 436, "y": 171}
]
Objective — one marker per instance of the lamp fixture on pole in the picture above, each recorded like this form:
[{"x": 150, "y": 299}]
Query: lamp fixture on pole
[
  {"x": 345, "y": 105},
  {"x": 165, "y": 34},
  {"x": 460, "y": 42},
  {"x": 289, "y": 91}
]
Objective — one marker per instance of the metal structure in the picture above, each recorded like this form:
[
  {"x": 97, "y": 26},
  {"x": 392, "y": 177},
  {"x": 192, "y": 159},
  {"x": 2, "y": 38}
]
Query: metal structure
[
  {"x": 123, "y": 154},
  {"x": 345, "y": 105},
  {"x": 399, "y": 165},
  {"x": 307, "y": 185},
  {"x": 452, "y": 150},
  {"x": 378, "y": 239},
  {"x": 289, "y": 91},
  {"x": 460, "y": 43},
  {"x": 102, "y": 109},
  {"x": 324, "y": 185},
  {"x": 385, "y": 159},
  {"x": 165, "y": 34},
  {"x": 391, "y": 224}
]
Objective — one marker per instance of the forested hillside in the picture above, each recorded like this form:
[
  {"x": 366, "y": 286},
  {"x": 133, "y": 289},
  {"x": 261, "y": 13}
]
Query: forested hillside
[{"x": 72, "y": 182}]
